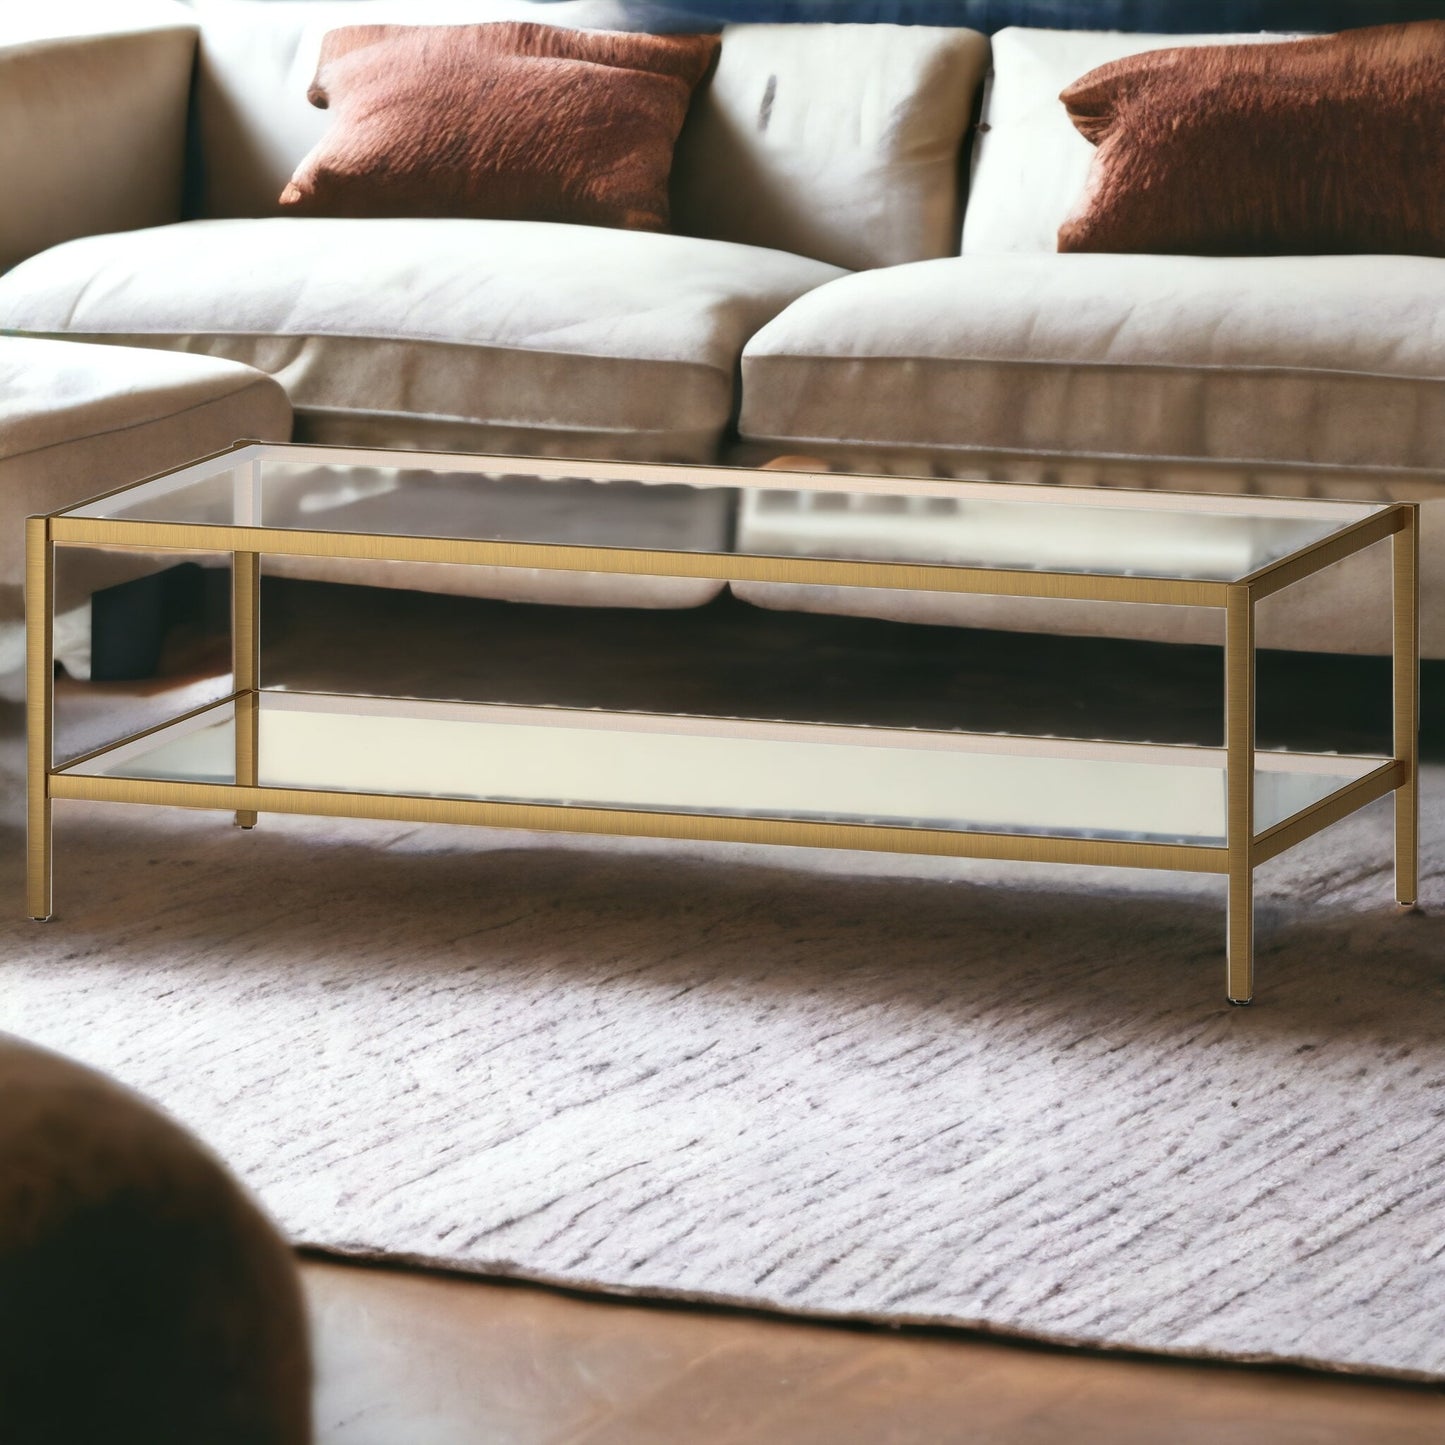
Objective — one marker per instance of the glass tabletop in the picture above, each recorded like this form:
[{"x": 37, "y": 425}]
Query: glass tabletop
[{"x": 1098, "y": 531}]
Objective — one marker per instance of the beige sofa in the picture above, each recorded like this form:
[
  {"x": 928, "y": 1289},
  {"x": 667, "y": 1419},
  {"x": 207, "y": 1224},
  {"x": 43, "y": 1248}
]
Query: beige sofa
[{"x": 825, "y": 291}]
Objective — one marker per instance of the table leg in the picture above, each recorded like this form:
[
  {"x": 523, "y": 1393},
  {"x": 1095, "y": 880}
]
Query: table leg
[
  {"x": 245, "y": 669},
  {"x": 1239, "y": 742},
  {"x": 1406, "y": 549},
  {"x": 39, "y": 712}
]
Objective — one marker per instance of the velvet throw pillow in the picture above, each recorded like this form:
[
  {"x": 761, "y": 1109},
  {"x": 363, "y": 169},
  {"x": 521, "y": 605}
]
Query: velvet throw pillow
[
  {"x": 506, "y": 121},
  {"x": 1330, "y": 145}
]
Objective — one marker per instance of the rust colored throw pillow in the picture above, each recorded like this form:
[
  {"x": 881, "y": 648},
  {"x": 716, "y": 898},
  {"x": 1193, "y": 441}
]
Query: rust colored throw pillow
[
  {"x": 1335, "y": 144},
  {"x": 507, "y": 121}
]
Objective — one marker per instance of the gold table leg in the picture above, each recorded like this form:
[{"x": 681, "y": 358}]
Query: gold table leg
[
  {"x": 1239, "y": 742},
  {"x": 245, "y": 669},
  {"x": 1406, "y": 550},
  {"x": 39, "y": 712}
]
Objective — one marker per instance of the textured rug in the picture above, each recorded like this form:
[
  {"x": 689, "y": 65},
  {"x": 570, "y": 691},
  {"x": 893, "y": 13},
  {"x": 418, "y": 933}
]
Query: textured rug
[{"x": 853, "y": 1086}]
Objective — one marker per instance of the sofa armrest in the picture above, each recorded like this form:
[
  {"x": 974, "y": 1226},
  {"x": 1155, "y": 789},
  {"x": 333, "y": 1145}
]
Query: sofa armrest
[{"x": 93, "y": 101}]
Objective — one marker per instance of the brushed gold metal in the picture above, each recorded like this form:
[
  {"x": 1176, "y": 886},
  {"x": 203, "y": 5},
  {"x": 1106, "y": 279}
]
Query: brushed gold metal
[
  {"x": 1334, "y": 548},
  {"x": 247, "y": 541},
  {"x": 39, "y": 712},
  {"x": 1340, "y": 804},
  {"x": 1406, "y": 664},
  {"x": 1347, "y": 799},
  {"x": 1239, "y": 828},
  {"x": 71, "y": 530},
  {"x": 636, "y": 823},
  {"x": 245, "y": 670},
  {"x": 555, "y": 557}
]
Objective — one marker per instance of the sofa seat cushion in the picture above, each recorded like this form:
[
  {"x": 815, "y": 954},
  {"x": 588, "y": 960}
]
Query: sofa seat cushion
[
  {"x": 77, "y": 420},
  {"x": 1330, "y": 359},
  {"x": 487, "y": 336},
  {"x": 1345, "y": 609},
  {"x": 1105, "y": 370}
]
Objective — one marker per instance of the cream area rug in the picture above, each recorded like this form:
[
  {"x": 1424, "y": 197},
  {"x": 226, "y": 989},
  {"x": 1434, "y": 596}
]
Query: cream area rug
[{"x": 850, "y": 1086}]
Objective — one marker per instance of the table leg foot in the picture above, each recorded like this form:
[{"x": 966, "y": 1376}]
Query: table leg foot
[
  {"x": 1407, "y": 849},
  {"x": 1239, "y": 968},
  {"x": 38, "y": 899},
  {"x": 39, "y": 715},
  {"x": 246, "y": 820}
]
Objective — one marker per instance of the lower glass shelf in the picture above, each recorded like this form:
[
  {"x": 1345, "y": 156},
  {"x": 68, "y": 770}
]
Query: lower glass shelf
[{"x": 897, "y": 778}]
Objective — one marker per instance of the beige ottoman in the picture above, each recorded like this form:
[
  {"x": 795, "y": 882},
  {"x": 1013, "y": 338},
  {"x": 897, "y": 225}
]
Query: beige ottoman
[{"x": 77, "y": 419}]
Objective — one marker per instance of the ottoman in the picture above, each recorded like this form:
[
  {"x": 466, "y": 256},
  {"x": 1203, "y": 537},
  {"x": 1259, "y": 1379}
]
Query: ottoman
[{"x": 77, "y": 419}]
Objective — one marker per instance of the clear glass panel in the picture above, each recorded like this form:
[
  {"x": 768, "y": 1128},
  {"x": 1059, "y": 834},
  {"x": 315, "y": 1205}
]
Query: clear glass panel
[
  {"x": 764, "y": 770},
  {"x": 1023, "y": 535},
  {"x": 140, "y": 638},
  {"x": 419, "y": 502},
  {"x": 1097, "y": 531},
  {"x": 196, "y": 749},
  {"x": 1349, "y": 703}
]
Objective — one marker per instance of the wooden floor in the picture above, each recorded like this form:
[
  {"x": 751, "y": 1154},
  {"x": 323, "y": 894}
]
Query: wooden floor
[
  {"x": 406, "y": 1358},
  {"x": 414, "y": 1359}
]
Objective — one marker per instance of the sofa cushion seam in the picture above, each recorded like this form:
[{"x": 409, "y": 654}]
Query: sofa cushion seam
[
  {"x": 81, "y": 332},
  {"x": 1278, "y": 368},
  {"x": 481, "y": 423},
  {"x": 1396, "y": 471}
]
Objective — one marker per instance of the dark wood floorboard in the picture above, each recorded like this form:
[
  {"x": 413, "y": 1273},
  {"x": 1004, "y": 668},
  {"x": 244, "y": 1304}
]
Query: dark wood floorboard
[{"x": 416, "y": 1359}]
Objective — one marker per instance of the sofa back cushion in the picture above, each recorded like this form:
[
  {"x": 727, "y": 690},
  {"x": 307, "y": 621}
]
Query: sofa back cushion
[
  {"x": 252, "y": 121},
  {"x": 840, "y": 142},
  {"x": 835, "y": 142},
  {"x": 92, "y": 119},
  {"x": 1030, "y": 164}
]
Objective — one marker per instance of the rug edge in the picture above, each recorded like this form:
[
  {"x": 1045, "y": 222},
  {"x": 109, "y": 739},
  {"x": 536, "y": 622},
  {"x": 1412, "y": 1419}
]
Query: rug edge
[{"x": 503, "y": 1273}]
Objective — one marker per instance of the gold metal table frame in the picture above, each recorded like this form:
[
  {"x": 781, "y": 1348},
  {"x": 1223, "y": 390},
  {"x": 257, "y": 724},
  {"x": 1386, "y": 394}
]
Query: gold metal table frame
[{"x": 1243, "y": 850}]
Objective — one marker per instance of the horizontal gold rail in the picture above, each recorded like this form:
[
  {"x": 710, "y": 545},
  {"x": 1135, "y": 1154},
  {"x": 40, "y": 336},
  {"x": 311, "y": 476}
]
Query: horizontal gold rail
[
  {"x": 866, "y": 837},
  {"x": 122, "y": 742},
  {"x": 1318, "y": 816},
  {"x": 1325, "y": 553},
  {"x": 555, "y": 557}
]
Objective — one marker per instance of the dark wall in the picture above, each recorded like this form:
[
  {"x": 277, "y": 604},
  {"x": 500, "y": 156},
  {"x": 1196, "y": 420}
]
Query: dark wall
[{"x": 1159, "y": 16}]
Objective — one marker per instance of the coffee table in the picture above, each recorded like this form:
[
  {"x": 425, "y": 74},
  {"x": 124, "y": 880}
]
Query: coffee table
[{"x": 1222, "y": 810}]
